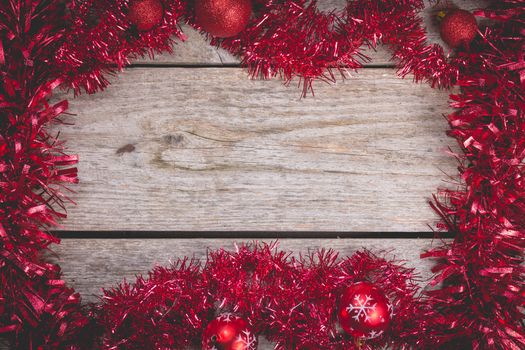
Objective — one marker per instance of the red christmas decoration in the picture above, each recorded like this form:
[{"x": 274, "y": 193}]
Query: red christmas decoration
[
  {"x": 364, "y": 311},
  {"x": 229, "y": 332},
  {"x": 289, "y": 298},
  {"x": 223, "y": 18},
  {"x": 145, "y": 14},
  {"x": 458, "y": 27}
]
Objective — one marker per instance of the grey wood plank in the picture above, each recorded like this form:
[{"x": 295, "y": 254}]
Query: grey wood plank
[
  {"x": 208, "y": 149},
  {"x": 89, "y": 265},
  {"x": 197, "y": 51}
]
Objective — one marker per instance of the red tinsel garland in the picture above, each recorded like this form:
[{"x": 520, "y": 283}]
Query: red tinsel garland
[
  {"x": 35, "y": 305},
  {"x": 480, "y": 294},
  {"x": 289, "y": 300},
  {"x": 482, "y": 269}
]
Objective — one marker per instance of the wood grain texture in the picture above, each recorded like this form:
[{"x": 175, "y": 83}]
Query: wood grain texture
[
  {"x": 197, "y": 51},
  {"x": 207, "y": 149},
  {"x": 92, "y": 264}
]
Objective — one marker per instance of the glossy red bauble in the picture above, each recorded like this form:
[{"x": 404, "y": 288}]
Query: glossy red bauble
[
  {"x": 223, "y": 18},
  {"x": 364, "y": 311},
  {"x": 229, "y": 332},
  {"x": 145, "y": 14},
  {"x": 458, "y": 28}
]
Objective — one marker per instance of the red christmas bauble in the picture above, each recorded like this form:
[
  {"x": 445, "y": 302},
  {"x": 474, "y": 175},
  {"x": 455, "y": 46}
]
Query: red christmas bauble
[
  {"x": 458, "y": 27},
  {"x": 145, "y": 14},
  {"x": 364, "y": 311},
  {"x": 229, "y": 332},
  {"x": 223, "y": 18}
]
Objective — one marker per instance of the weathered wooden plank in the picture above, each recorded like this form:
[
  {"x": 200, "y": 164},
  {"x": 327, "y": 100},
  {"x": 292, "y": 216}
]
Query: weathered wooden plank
[
  {"x": 92, "y": 264},
  {"x": 197, "y": 51},
  {"x": 208, "y": 149}
]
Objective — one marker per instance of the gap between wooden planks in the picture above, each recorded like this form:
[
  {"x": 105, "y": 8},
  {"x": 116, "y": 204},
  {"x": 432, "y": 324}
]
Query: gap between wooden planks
[{"x": 92, "y": 264}]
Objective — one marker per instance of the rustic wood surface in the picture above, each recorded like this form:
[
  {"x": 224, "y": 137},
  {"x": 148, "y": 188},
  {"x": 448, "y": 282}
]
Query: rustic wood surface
[{"x": 207, "y": 149}]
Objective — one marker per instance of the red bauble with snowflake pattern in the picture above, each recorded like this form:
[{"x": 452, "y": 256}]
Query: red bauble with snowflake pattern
[
  {"x": 229, "y": 332},
  {"x": 364, "y": 311}
]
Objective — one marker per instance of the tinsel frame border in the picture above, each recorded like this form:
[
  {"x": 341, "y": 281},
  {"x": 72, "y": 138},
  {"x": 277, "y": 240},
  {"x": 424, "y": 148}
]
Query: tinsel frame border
[{"x": 46, "y": 44}]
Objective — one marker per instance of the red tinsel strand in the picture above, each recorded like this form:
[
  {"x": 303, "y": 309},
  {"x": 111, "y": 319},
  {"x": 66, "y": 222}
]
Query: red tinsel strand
[
  {"x": 167, "y": 310},
  {"x": 296, "y": 322},
  {"x": 100, "y": 40},
  {"x": 481, "y": 302},
  {"x": 286, "y": 38},
  {"x": 291, "y": 301},
  {"x": 37, "y": 309},
  {"x": 414, "y": 55},
  {"x": 304, "y": 317},
  {"x": 248, "y": 281},
  {"x": 294, "y": 39}
]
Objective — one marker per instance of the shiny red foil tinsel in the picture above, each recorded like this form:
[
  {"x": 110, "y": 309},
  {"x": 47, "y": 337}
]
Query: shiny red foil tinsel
[
  {"x": 290, "y": 300},
  {"x": 482, "y": 294},
  {"x": 37, "y": 309},
  {"x": 477, "y": 296}
]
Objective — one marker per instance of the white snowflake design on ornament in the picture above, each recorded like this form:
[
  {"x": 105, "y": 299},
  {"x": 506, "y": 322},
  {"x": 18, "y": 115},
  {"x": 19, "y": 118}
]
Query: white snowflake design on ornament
[
  {"x": 362, "y": 308},
  {"x": 227, "y": 317},
  {"x": 374, "y": 334},
  {"x": 391, "y": 310},
  {"x": 248, "y": 340}
]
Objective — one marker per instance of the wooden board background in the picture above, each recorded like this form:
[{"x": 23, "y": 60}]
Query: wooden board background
[
  {"x": 186, "y": 153},
  {"x": 208, "y": 149}
]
